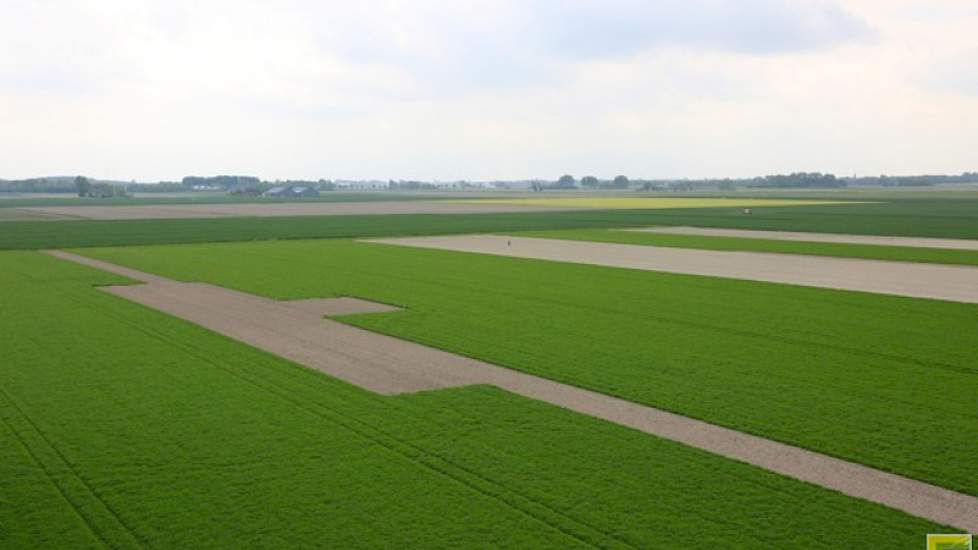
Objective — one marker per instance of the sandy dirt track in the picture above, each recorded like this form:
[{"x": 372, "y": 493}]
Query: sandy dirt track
[
  {"x": 915, "y": 242},
  {"x": 295, "y": 330},
  {"x": 175, "y": 211},
  {"x": 918, "y": 280}
]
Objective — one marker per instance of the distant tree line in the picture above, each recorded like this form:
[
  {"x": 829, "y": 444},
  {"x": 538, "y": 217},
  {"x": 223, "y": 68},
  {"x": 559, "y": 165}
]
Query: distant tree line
[
  {"x": 567, "y": 181},
  {"x": 914, "y": 181},
  {"x": 798, "y": 180},
  {"x": 222, "y": 182},
  {"x": 803, "y": 180},
  {"x": 254, "y": 185},
  {"x": 161, "y": 187},
  {"x": 250, "y": 187},
  {"x": 618, "y": 182},
  {"x": 319, "y": 185},
  {"x": 80, "y": 185},
  {"x": 795, "y": 180},
  {"x": 64, "y": 184},
  {"x": 409, "y": 185}
]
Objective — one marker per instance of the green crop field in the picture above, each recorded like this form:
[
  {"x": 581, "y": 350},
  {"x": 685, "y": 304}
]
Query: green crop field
[
  {"x": 874, "y": 252},
  {"x": 123, "y": 427},
  {"x": 882, "y": 380},
  {"x": 922, "y": 218}
]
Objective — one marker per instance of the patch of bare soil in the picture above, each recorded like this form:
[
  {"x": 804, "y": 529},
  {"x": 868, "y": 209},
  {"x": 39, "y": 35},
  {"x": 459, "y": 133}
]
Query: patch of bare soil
[
  {"x": 918, "y": 280},
  {"x": 297, "y": 331},
  {"x": 916, "y": 242}
]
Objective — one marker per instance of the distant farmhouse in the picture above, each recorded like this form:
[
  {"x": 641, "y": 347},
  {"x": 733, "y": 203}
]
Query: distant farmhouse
[{"x": 290, "y": 191}]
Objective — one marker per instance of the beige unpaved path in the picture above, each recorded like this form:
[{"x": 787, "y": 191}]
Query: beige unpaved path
[
  {"x": 295, "y": 330},
  {"x": 918, "y": 280},
  {"x": 915, "y": 242}
]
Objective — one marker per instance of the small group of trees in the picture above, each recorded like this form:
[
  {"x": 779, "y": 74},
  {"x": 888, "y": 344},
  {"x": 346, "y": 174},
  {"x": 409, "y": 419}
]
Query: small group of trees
[
  {"x": 409, "y": 185},
  {"x": 567, "y": 181},
  {"x": 798, "y": 180},
  {"x": 619, "y": 182},
  {"x": 98, "y": 190},
  {"x": 83, "y": 185}
]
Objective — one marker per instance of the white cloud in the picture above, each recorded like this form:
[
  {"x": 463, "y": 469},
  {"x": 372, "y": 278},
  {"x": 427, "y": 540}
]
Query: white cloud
[{"x": 486, "y": 88}]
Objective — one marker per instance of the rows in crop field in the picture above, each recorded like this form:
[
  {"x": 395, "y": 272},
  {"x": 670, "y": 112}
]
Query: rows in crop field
[
  {"x": 193, "y": 440},
  {"x": 870, "y": 378}
]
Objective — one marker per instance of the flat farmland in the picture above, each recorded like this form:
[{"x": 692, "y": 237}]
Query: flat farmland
[
  {"x": 885, "y": 381},
  {"x": 138, "y": 429},
  {"x": 940, "y": 218}
]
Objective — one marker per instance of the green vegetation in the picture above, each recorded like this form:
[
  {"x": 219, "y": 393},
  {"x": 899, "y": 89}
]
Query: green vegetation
[
  {"x": 886, "y": 381},
  {"x": 65, "y": 234},
  {"x": 922, "y": 218},
  {"x": 123, "y": 427},
  {"x": 917, "y": 218},
  {"x": 875, "y": 252}
]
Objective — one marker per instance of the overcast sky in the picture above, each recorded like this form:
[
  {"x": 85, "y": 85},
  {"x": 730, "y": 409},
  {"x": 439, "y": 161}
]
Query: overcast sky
[{"x": 487, "y": 89}]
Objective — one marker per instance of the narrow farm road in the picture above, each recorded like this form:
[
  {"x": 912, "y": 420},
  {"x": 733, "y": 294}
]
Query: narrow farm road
[
  {"x": 914, "y": 242},
  {"x": 917, "y": 280},
  {"x": 298, "y": 331}
]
